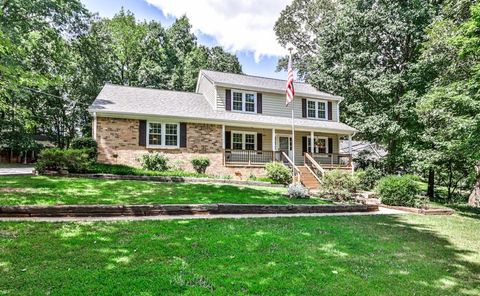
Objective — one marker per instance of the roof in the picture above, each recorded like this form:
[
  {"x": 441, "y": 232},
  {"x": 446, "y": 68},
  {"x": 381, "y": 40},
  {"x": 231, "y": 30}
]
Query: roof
[
  {"x": 265, "y": 83},
  {"x": 369, "y": 149},
  {"x": 137, "y": 102}
]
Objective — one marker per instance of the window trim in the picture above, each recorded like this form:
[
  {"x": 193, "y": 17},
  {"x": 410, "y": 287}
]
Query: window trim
[
  {"x": 314, "y": 138},
  {"x": 243, "y": 133},
  {"x": 244, "y": 100},
  {"x": 163, "y": 135},
  {"x": 317, "y": 109}
]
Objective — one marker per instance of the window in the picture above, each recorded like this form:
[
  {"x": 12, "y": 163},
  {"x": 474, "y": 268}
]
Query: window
[
  {"x": 317, "y": 109},
  {"x": 244, "y": 141},
  {"x": 244, "y": 102},
  {"x": 162, "y": 135},
  {"x": 320, "y": 145}
]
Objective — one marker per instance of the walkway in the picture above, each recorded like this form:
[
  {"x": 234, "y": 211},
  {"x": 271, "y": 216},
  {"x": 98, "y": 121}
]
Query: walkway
[
  {"x": 381, "y": 211},
  {"x": 15, "y": 169}
]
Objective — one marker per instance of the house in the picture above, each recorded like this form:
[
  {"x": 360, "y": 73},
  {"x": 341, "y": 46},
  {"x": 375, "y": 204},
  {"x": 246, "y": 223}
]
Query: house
[{"x": 239, "y": 121}]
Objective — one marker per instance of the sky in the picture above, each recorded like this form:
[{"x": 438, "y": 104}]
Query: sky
[{"x": 242, "y": 27}]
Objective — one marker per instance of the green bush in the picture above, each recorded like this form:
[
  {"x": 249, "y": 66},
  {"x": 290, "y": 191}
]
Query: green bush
[
  {"x": 154, "y": 162},
  {"x": 398, "y": 191},
  {"x": 200, "y": 164},
  {"x": 72, "y": 160},
  {"x": 86, "y": 143},
  {"x": 368, "y": 178},
  {"x": 120, "y": 169},
  {"x": 339, "y": 185},
  {"x": 278, "y": 172}
]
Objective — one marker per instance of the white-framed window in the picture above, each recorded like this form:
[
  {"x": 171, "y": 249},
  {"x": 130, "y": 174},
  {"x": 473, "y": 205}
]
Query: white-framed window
[
  {"x": 244, "y": 140},
  {"x": 317, "y": 109},
  {"x": 320, "y": 144},
  {"x": 163, "y": 135},
  {"x": 244, "y": 101}
]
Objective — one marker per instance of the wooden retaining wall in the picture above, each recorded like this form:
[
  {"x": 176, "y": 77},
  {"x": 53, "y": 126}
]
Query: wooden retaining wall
[{"x": 174, "y": 209}]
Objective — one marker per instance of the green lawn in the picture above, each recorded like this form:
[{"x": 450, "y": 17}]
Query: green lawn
[
  {"x": 55, "y": 190},
  {"x": 356, "y": 255}
]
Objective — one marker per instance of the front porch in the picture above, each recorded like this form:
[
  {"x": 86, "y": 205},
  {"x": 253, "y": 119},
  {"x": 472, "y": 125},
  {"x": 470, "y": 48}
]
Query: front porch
[{"x": 254, "y": 147}]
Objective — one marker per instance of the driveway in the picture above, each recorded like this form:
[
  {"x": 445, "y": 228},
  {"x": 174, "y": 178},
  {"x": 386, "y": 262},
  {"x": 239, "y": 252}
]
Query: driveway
[{"x": 15, "y": 169}]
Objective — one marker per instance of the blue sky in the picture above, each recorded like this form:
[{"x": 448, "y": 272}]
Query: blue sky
[{"x": 241, "y": 27}]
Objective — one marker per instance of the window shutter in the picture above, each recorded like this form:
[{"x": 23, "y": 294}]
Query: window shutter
[
  {"x": 259, "y": 141},
  {"x": 142, "y": 133},
  {"x": 304, "y": 108},
  {"x": 183, "y": 134},
  {"x": 304, "y": 144},
  {"x": 228, "y": 138},
  {"x": 228, "y": 99},
  {"x": 330, "y": 145},
  {"x": 259, "y": 104},
  {"x": 329, "y": 109}
]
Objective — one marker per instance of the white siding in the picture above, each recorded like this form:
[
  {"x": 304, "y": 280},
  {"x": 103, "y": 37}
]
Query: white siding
[{"x": 206, "y": 88}]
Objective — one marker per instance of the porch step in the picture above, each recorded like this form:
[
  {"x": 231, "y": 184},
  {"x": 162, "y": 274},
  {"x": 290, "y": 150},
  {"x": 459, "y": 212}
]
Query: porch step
[{"x": 308, "y": 179}]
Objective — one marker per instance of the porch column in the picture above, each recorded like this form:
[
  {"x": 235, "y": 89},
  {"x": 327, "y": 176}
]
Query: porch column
[
  {"x": 223, "y": 136},
  {"x": 94, "y": 127},
  {"x": 312, "y": 141},
  {"x": 350, "y": 144},
  {"x": 273, "y": 140}
]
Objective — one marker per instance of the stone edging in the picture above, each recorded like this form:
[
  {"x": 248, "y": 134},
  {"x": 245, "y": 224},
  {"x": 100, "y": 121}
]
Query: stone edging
[
  {"x": 173, "y": 209},
  {"x": 166, "y": 179},
  {"x": 434, "y": 211}
]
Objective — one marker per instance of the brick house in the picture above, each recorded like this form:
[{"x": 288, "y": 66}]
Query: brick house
[{"x": 239, "y": 121}]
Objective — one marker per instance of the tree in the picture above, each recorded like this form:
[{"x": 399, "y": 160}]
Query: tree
[{"x": 364, "y": 51}]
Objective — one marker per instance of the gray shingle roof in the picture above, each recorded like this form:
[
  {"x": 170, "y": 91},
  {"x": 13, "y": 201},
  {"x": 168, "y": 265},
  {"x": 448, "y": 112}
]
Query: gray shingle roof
[
  {"x": 142, "y": 102},
  {"x": 275, "y": 85}
]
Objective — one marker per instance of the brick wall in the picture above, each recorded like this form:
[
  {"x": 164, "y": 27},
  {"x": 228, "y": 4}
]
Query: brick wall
[{"x": 118, "y": 144}]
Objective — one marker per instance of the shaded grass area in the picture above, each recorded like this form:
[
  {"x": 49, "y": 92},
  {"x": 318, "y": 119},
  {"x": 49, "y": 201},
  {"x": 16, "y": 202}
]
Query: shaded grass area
[
  {"x": 120, "y": 169},
  {"x": 356, "y": 255},
  {"x": 42, "y": 190}
]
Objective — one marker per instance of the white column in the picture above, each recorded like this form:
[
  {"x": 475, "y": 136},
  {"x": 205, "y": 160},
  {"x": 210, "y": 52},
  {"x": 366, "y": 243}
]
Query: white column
[
  {"x": 350, "y": 144},
  {"x": 312, "y": 141},
  {"x": 223, "y": 136},
  {"x": 274, "y": 148},
  {"x": 94, "y": 127}
]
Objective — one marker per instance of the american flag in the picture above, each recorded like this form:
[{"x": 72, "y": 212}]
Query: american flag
[{"x": 290, "y": 90}]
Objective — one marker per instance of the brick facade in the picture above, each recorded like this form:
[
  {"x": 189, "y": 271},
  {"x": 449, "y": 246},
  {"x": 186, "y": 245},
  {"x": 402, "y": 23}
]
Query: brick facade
[{"x": 118, "y": 143}]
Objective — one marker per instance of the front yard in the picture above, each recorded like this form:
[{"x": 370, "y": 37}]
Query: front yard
[
  {"x": 377, "y": 255},
  {"x": 44, "y": 190}
]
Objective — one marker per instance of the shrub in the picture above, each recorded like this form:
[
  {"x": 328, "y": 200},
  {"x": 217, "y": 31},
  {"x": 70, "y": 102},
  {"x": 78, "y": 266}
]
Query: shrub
[
  {"x": 86, "y": 143},
  {"x": 278, "y": 172},
  {"x": 154, "y": 162},
  {"x": 297, "y": 190},
  {"x": 398, "y": 191},
  {"x": 72, "y": 160},
  {"x": 339, "y": 185},
  {"x": 368, "y": 178},
  {"x": 200, "y": 164}
]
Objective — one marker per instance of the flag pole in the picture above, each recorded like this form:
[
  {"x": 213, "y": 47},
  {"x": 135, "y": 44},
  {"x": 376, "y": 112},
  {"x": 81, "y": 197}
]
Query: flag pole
[{"x": 293, "y": 121}]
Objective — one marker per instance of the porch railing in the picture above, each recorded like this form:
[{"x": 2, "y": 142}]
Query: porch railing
[
  {"x": 296, "y": 175},
  {"x": 313, "y": 166},
  {"x": 333, "y": 159},
  {"x": 250, "y": 157}
]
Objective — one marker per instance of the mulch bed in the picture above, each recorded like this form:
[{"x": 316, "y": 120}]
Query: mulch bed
[
  {"x": 187, "y": 209},
  {"x": 432, "y": 211}
]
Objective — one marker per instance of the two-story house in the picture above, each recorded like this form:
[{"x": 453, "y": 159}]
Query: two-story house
[{"x": 239, "y": 121}]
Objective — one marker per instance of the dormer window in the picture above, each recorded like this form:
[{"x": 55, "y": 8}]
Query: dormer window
[
  {"x": 317, "y": 109},
  {"x": 244, "y": 101}
]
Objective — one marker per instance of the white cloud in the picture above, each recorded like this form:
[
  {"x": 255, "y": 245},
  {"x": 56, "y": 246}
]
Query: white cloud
[{"x": 237, "y": 25}]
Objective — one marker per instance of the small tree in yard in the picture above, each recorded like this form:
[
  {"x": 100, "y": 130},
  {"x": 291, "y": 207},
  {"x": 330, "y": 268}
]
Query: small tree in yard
[{"x": 200, "y": 164}]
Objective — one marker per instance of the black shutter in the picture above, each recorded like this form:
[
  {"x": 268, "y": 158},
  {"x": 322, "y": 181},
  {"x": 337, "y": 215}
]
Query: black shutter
[
  {"x": 304, "y": 144},
  {"x": 228, "y": 138},
  {"x": 329, "y": 108},
  {"x": 304, "y": 108},
  {"x": 259, "y": 104},
  {"x": 330, "y": 145},
  {"x": 259, "y": 141},
  {"x": 228, "y": 99},
  {"x": 142, "y": 133},
  {"x": 183, "y": 134}
]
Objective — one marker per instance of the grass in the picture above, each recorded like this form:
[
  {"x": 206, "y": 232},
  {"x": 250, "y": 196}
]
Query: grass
[
  {"x": 42, "y": 190},
  {"x": 355, "y": 255},
  {"x": 119, "y": 169}
]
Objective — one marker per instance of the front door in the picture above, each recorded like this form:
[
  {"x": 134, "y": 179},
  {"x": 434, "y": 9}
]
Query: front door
[{"x": 284, "y": 144}]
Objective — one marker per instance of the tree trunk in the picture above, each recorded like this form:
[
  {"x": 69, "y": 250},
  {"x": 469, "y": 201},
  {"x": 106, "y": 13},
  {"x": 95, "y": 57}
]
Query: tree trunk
[
  {"x": 431, "y": 184},
  {"x": 474, "y": 199}
]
